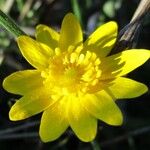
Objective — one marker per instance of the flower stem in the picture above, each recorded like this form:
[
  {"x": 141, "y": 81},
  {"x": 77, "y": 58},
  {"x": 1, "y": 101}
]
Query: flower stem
[
  {"x": 76, "y": 10},
  {"x": 10, "y": 25}
]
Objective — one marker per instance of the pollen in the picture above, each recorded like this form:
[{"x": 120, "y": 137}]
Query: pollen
[{"x": 74, "y": 71}]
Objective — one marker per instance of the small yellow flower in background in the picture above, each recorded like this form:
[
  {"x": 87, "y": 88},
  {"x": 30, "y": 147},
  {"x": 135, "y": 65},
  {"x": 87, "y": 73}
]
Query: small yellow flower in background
[{"x": 73, "y": 83}]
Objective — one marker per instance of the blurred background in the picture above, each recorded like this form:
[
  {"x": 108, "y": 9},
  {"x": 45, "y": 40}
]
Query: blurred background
[{"x": 134, "y": 134}]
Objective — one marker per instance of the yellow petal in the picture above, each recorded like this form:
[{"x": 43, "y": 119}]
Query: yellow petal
[
  {"x": 54, "y": 121},
  {"x": 71, "y": 33},
  {"x": 103, "y": 107},
  {"x": 102, "y": 40},
  {"x": 37, "y": 54},
  {"x": 82, "y": 123},
  {"x": 22, "y": 82},
  {"x": 122, "y": 63},
  {"x": 47, "y": 35},
  {"x": 30, "y": 105},
  {"x": 126, "y": 88}
]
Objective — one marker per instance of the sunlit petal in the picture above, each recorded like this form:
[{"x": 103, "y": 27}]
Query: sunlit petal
[
  {"x": 30, "y": 105},
  {"x": 70, "y": 33},
  {"x": 54, "y": 121},
  {"x": 74, "y": 84},
  {"x": 122, "y": 63},
  {"x": 83, "y": 124},
  {"x": 47, "y": 35},
  {"x": 23, "y": 82},
  {"x": 103, "y": 107},
  {"x": 102, "y": 39},
  {"x": 37, "y": 54},
  {"x": 126, "y": 88}
]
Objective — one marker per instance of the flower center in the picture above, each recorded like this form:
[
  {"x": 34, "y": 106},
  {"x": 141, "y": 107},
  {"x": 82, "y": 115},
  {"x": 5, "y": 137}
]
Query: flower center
[{"x": 72, "y": 71}]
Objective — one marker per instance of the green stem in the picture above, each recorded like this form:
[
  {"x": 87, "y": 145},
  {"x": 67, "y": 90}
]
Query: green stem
[
  {"x": 10, "y": 25},
  {"x": 77, "y": 10}
]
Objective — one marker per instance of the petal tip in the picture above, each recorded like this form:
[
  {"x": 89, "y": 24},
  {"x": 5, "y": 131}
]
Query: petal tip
[
  {"x": 145, "y": 89},
  {"x": 112, "y": 24},
  {"x": 46, "y": 138},
  {"x": 70, "y": 14},
  {"x": 13, "y": 116},
  {"x": 4, "y": 84},
  {"x": 16, "y": 113},
  {"x": 22, "y": 38},
  {"x": 118, "y": 121},
  {"x": 41, "y": 27},
  {"x": 88, "y": 139}
]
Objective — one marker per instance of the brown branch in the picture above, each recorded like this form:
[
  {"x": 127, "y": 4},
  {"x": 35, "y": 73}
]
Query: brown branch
[{"x": 128, "y": 35}]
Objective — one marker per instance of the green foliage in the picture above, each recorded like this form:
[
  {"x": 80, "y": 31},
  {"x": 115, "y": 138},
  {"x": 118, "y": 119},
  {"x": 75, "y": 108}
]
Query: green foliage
[
  {"x": 7, "y": 23},
  {"x": 76, "y": 10},
  {"x": 110, "y": 7}
]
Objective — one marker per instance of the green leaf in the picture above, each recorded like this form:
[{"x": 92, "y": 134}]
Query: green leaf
[
  {"x": 10, "y": 25},
  {"x": 76, "y": 10},
  {"x": 109, "y": 8}
]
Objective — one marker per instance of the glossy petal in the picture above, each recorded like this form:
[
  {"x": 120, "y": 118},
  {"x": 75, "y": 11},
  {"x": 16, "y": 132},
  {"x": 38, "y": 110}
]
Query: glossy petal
[
  {"x": 47, "y": 35},
  {"x": 126, "y": 88},
  {"x": 71, "y": 33},
  {"x": 23, "y": 82},
  {"x": 30, "y": 105},
  {"x": 37, "y": 54},
  {"x": 54, "y": 121},
  {"x": 82, "y": 123},
  {"x": 74, "y": 84},
  {"x": 122, "y": 63},
  {"x": 102, "y": 40},
  {"x": 103, "y": 107}
]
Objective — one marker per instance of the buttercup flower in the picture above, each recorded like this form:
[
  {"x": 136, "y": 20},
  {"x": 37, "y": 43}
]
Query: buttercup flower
[{"x": 73, "y": 83}]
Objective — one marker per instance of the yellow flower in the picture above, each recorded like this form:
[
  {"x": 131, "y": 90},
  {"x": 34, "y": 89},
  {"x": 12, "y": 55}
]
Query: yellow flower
[{"x": 73, "y": 83}]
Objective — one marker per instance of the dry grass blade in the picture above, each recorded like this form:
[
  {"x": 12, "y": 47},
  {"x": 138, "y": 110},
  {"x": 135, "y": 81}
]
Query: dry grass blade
[
  {"x": 129, "y": 34},
  {"x": 7, "y": 6},
  {"x": 25, "y": 9}
]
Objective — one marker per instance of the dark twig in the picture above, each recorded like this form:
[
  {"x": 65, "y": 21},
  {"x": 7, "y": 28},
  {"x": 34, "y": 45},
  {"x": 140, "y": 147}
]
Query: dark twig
[
  {"x": 19, "y": 136},
  {"x": 21, "y": 127},
  {"x": 5, "y": 136},
  {"x": 128, "y": 35},
  {"x": 126, "y": 136}
]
